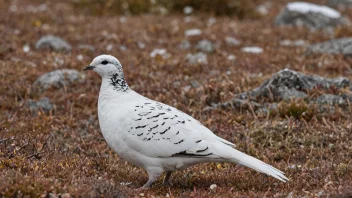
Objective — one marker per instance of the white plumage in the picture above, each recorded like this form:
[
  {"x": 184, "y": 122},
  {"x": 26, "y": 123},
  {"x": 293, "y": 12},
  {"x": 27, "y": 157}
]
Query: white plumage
[{"x": 155, "y": 136}]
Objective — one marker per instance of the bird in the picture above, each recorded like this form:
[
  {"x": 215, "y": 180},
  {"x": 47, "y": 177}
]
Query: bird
[{"x": 155, "y": 136}]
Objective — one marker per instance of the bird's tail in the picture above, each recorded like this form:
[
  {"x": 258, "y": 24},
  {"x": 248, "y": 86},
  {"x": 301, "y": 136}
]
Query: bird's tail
[
  {"x": 238, "y": 157},
  {"x": 258, "y": 165}
]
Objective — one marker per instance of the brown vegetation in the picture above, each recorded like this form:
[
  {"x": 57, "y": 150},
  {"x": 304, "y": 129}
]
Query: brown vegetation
[{"x": 64, "y": 151}]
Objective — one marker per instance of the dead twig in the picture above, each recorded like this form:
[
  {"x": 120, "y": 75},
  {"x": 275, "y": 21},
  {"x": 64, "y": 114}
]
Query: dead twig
[
  {"x": 4, "y": 140},
  {"x": 35, "y": 154}
]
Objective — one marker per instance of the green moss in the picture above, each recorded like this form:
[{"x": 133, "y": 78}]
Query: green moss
[{"x": 295, "y": 108}]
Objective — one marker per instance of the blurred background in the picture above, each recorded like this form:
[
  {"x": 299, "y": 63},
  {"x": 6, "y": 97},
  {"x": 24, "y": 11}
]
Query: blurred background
[{"x": 215, "y": 60}]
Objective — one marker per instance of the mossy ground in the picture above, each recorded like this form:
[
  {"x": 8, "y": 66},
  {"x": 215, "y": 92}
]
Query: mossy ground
[{"x": 64, "y": 152}]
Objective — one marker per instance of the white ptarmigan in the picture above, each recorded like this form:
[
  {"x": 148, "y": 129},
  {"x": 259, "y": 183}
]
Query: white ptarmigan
[{"x": 155, "y": 136}]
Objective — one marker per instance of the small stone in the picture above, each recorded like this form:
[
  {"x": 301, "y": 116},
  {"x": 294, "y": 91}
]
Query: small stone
[
  {"x": 13, "y": 8},
  {"x": 51, "y": 195},
  {"x": 58, "y": 78},
  {"x": 230, "y": 41},
  {"x": 184, "y": 45},
  {"x": 262, "y": 9},
  {"x": 141, "y": 45},
  {"x": 321, "y": 194},
  {"x": 188, "y": 10},
  {"x": 211, "y": 21},
  {"x": 213, "y": 187},
  {"x": 193, "y": 32},
  {"x": 59, "y": 61},
  {"x": 198, "y": 58},
  {"x": 187, "y": 88},
  {"x": 293, "y": 43},
  {"x": 231, "y": 57},
  {"x": 160, "y": 53},
  {"x": 125, "y": 183},
  {"x": 43, "y": 104},
  {"x": 123, "y": 19},
  {"x": 79, "y": 57},
  {"x": 53, "y": 43},
  {"x": 195, "y": 84},
  {"x": 177, "y": 84},
  {"x": 65, "y": 195},
  {"x": 123, "y": 48},
  {"x": 109, "y": 47},
  {"x": 86, "y": 47},
  {"x": 253, "y": 50},
  {"x": 26, "y": 48},
  {"x": 205, "y": 46}
]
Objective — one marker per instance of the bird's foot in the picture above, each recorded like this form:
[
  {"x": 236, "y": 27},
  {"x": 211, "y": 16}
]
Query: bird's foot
[{"x": 146, "y": 186}]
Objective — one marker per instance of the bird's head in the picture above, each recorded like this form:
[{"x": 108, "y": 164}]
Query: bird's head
[{"x": 105, "y": 66}]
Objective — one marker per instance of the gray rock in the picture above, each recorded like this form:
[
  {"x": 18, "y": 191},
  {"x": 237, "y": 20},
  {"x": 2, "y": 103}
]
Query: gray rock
[
  {"x": 184, "y": 45},
  {"x": 230, "y": 41},
  {"x": 288, "y": 93},
  {"x": 123, "y": 48},
  {"x": 287, "y": 84},
  {"x": 252, "y": 49},
  {"x": 53, "y": 43},
  {"x": 236, "y": 103},
  {"x": 188, "y": 10},
  {"x": 193, "y": 32},
  {"x": 176, "y": 84},
  {"x": 198, "y": 58},
  {"x": 331, "y": 100},
  {"x": 141, "y": 45},
  {"x": 334, "y": 46},
  {"x": 195, "y": 84},
  {"x": 231, "y": 57},
  {"x": 310, "y": 15},
  {"x": 65, "y": 195},
  {"x": 268, "y": 108},
  {"x": 86, "y": 47},
  {"x": 43, "y": 104},
  {"x": 51, "y": 195},
  {"x": 205, "y": 46},
  {"x": 294, "y": 43},
  {"x": 59, "y": 78},
  {"x": 263, "y": 9},
  {"x": 340, "y": 3}
]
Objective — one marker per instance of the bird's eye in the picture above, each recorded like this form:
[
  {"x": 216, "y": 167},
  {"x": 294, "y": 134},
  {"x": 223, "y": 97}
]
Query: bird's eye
[{"x": 104, "y": 62}]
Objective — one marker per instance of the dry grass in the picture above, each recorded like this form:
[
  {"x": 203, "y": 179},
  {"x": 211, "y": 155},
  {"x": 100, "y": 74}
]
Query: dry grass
[
  {"x": 239, "y": 8},
  {"x": 64, "y": 152}
]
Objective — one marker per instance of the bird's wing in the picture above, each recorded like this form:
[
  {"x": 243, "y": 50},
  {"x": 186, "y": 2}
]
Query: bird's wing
[{"x": 158, "y": 130}]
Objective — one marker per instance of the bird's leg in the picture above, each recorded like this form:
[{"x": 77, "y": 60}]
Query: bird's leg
[
  {"x": 167, "y": 179},
  {"x": 152, "y": 178}
]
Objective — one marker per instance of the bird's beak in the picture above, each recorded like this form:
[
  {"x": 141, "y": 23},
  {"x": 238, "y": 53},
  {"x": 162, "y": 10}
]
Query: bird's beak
[{"x": 89, "y": 67}]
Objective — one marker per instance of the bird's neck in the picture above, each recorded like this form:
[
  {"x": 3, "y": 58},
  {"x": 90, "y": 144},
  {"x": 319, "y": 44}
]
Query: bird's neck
[
  {"x": 113, "y": 87},
  {"x": 116, "y": 82}
]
